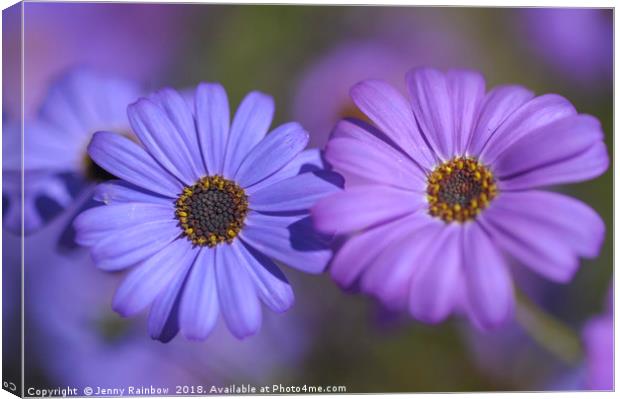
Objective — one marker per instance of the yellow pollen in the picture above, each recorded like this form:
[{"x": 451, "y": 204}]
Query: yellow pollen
[
  {"x": 459, "y": 189},
  {"x": 212, "y": 211}
]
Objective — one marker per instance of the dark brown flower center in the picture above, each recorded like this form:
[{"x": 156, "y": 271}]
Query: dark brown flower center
[
  {"x": 459, "y": 189},
  {"x": 212, "y": 211}
]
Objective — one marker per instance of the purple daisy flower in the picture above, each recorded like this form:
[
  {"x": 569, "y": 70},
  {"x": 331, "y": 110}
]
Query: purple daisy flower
[
  {"x": 203, "y": 207},
  {"x": 56, "y": 164},
  {"x": 598, "y": 338},
  {"x": 447, "y": 186}
]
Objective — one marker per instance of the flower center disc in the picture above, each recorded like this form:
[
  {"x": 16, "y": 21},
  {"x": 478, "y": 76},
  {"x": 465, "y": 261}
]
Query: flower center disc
[
  {"x": 459, "y": 189},
  {"x": 212, "y": 211}
]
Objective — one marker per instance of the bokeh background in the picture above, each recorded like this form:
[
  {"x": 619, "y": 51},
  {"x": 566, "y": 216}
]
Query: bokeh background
[{"x": 307, "y": 57}]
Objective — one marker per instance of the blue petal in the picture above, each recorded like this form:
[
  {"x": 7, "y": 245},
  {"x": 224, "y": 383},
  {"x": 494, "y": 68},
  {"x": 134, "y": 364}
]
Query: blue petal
[
  {"x": 272, "y": 286},
  {"x": 128, "y": 246},
  {"x": 306, "y": 161},
  {"x": 126, "y": 160},
  {"x": 272, "y": 153},
  {"x": 151, "y": 277},
  {"x": 163, "y": 322},
  {"x": 160, "y": 137},
  {"x": 249, "y": 126},
  {"x": 289, "y": 239},
  {"x": 180, "y": 114},
  {"x": 212, "y": 121},
  {"x": 237, "y": 295},
  {"x": 99, "y": 222},
  {"x": 119, "y": 192},
  {"x": 199, "y": 305},
  {"x": 297, "y": 192}
]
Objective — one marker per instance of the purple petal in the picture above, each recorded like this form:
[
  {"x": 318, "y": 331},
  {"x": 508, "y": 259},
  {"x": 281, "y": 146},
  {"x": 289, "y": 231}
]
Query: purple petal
[
  {"x": 574, "y": 222},
  {"x": 119, "y": 192},
  {"x": 361, "y": 207},
  {"x": 249, "y": 126},
  {"x": 467, "y": 92},
  {"x": 126, "y": 247},
  {"x": 542, "y": 240},
  {"x": 99, "y": 222},
  {"x": 126, "y": 160},
  {"x": 271, "y": 285},
  {"x": 272, "y": 153},
  {"x": 598, "y": 337},
  {"x": 534, "y": 114},
  {"x": 391, "y": 113},
  {"x": 432, "y": 106},
  {"x": 179, "y": 112},
  {"x": 296, "y": 193},
  {"x": 144, "y": 283},
  {"x": 539, "y": 150},
  {"x": 435, "y": 283},
  {"x": 199, "y": 306},
  {"x": 82, "y": 101},
  {"x": 213, "y": 123},
  {"x": 359, "y": 251},
  {"x": 589, "y": 164},
  {"x": 161, "y": 139},
  {"x": 489, "y": 286},
  {"x": 373, "y": 160},
  {"x": 163, "y": 324},
  {"x": 288, "y": 239},
  {"x": 497, "y": 106},
  {"x": 236, "y": 293},
  {"x": 48, "y": 147},
  {"x": 306, "y": 161},
  {"x": 389, "y": 275}
]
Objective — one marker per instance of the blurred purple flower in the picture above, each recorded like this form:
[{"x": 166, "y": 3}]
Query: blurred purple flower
[
  {"x": 578, "y": 42},
  {"x": 78, "y": 103},
  {"x": 74, "y": 338},
  {"x": 446, "y": 185},
  {"x": 598, "y": 337},
  {"x": 322, "y": 97},
  {"x": 133, "y": 41},
  {"x": 322, "y": 94},
  {"x": 203, "y": 207}
]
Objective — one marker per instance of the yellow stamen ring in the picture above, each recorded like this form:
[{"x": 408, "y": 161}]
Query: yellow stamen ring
[
  {"x": 459, "y": 189},
  {"x": 212, "y": 211}
]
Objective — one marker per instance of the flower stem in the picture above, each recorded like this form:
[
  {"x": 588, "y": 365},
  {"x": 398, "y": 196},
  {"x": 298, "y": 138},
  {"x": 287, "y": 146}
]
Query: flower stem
[{"x": 548, "y": 331}]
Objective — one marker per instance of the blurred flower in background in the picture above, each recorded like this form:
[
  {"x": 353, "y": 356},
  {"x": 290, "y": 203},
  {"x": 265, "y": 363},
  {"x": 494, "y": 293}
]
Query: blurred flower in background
[
  {"x": 394, "y": 44},
  {"x": 56, "y": 164},
  {"x": 135, "y": 41},
  {"x": 577, "y": 42},
  {"x": 598, "y": 336}
]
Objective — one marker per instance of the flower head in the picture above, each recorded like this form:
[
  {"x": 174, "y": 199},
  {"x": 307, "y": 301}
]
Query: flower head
[
  {"x": 203, "y": 207},
  {"x": 445, "y": 186}
]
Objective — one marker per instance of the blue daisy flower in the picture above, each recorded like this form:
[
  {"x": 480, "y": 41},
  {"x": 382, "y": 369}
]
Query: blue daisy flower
[{"x": 203, "y": 207}]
